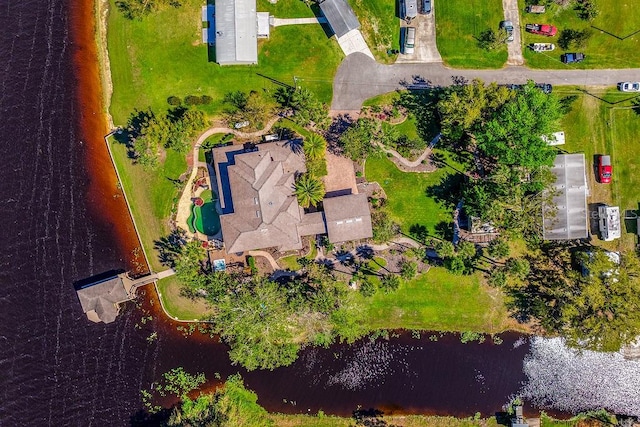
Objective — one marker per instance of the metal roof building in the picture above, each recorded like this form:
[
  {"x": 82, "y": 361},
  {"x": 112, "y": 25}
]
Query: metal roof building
[
  {"x": 236, "y": 28},
  {"x": 340, "y": 16},
  {"x": 566, "y": 217}
]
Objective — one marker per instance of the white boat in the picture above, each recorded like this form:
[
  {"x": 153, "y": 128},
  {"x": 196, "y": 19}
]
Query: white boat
[{"x": 543, "y": 47}]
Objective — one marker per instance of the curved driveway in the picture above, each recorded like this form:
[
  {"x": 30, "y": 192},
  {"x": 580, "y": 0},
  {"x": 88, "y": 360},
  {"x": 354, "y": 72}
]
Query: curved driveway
[{"x": 360, "y": 77}]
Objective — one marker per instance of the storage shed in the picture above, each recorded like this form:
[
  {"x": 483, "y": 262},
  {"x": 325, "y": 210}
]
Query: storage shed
[{"x": 340, "y": 16}]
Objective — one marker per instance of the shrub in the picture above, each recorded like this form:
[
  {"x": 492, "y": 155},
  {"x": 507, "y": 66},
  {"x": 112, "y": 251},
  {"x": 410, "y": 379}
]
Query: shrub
[
  {"x": 206, "y": 99},
  {"x": 367, "y": 288},
  {"x": 192, "y": 100},
  {"x": 174, "y": 101}
]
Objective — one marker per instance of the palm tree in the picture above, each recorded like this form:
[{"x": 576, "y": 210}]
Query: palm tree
[
  {"x": 314, "y": 146},
  {"x": 309, "y": 190}
]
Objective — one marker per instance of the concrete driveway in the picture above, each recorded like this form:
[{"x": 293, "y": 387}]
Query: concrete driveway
[
  {"x": 426, "y": 49},
  {"x": 360, "y": 77},
  {"x": 511, "y": 13},
  {"x": 353, "y": 42}
]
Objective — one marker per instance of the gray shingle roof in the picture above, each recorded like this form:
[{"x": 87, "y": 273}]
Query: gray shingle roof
[
  {"x": 260, "y": 209},
  {"x": 265, "y": 210},
  {"x": 566, "y": 218},
  {"x": 100, "y": 300},
  {"x": 236, "y": 27},
  {"x": 348, "y": 218},
  {"x": 340, "y": 16}
]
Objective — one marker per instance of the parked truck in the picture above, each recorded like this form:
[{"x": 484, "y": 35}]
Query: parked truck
[{"x": 542, "y": 29}]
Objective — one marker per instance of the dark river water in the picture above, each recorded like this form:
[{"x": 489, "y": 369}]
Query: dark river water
[{"x": 63, "y": 219}]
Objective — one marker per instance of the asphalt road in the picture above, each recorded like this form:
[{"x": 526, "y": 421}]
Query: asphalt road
[{"x": 360, "y": 77}]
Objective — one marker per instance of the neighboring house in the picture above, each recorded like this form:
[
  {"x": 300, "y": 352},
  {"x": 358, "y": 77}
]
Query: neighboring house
[
  {"x": 566, "y": 217},
  {"x": 260, "y": 210},
  {"x": 340, "y": 16},
  {"x": 237, "y": 27}
]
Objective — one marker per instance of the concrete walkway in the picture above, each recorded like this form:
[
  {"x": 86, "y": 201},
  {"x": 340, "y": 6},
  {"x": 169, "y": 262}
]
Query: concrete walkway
[
  {"x": 269, "y": 258},
  {"x": 411, "y": 163},
  {"x": 279, "y": 22},
  {"x": 511, "y": 13},
  {"x": 360, "y": 78},
  {"x": 184, "y": 205}
]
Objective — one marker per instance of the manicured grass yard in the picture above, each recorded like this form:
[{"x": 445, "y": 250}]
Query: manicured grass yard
[
  {"x": 151, "y": 195},
  {"x": 380, "y": 26},
  {"x": 458, "y": 23},
  {"x": 607, "y": 126},
  {"x": 178, "y": 306},
  {"x": 439, "y": 300},
  {"x": 162, "y": 55},
  {"x": 408, "y": 201},
  {"x": 619, "y": 18}
]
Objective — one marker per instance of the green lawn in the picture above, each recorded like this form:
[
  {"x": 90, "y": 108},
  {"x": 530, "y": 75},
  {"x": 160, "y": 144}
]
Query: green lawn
[
  {"x": 176, "y": 305},
  {"x": 162, "y": 55},
  {"x": 603, "y": 50},
  {"x": 380, "y": 26},
  {"x": 151, "y": 195},
  {"x": 607, "y": 126},
  {"x": 286, "y": 9},
  {"x": 458, "y": 23},
  {"x": 408, "y": 202},
  {"x": 439, "y": 300}
]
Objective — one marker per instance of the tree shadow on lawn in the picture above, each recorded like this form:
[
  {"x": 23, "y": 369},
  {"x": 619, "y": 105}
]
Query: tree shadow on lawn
[{"x": 448, "y": 191}]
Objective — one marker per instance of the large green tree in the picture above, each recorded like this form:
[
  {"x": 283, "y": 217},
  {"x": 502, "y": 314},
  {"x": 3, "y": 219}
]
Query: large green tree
[
  {"x": 466, "y": 107},
  {"x": 232, "y": 405},
  {"x": 357, "y": 140},
  {"x": 309, "y": 190},
  {"x": 254, "y": 320},
  {"x": 594, "y": 306},
  {"x": 513, "y": 135}
]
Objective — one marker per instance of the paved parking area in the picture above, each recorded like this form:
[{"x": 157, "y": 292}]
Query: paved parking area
[{"x": 425, "y": 48}]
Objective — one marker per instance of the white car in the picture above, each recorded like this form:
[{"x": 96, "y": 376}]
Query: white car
[{"x": 629, "y": 86}]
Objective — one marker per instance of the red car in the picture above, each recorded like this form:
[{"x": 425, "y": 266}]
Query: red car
[
  {"x": 542, "y": 29},
  {"x": 604, "y": 169}
]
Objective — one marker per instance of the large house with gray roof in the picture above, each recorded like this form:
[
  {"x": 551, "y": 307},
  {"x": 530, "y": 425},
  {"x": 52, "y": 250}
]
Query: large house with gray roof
[{"x": 260, "y": 210}]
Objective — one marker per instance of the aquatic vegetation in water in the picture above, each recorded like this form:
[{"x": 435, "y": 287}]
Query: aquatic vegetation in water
[{"x": 577, "y": 381}]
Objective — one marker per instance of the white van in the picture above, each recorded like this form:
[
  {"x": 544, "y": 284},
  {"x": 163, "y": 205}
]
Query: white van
[{"x": 409, "y": 40}]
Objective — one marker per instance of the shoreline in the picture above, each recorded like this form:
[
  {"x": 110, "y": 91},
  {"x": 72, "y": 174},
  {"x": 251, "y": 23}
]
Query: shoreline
[
  {"x": 105, "y": 201},
  {"x": 101, "y": 11}
]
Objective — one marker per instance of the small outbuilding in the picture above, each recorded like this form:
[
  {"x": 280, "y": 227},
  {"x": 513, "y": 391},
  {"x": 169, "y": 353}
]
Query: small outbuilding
[
  {"x": 100, "y": 300},
  {"x": 340, "y": 16}
]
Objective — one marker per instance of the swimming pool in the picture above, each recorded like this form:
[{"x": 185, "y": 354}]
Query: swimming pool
[{"x": 205, "y": 218}]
